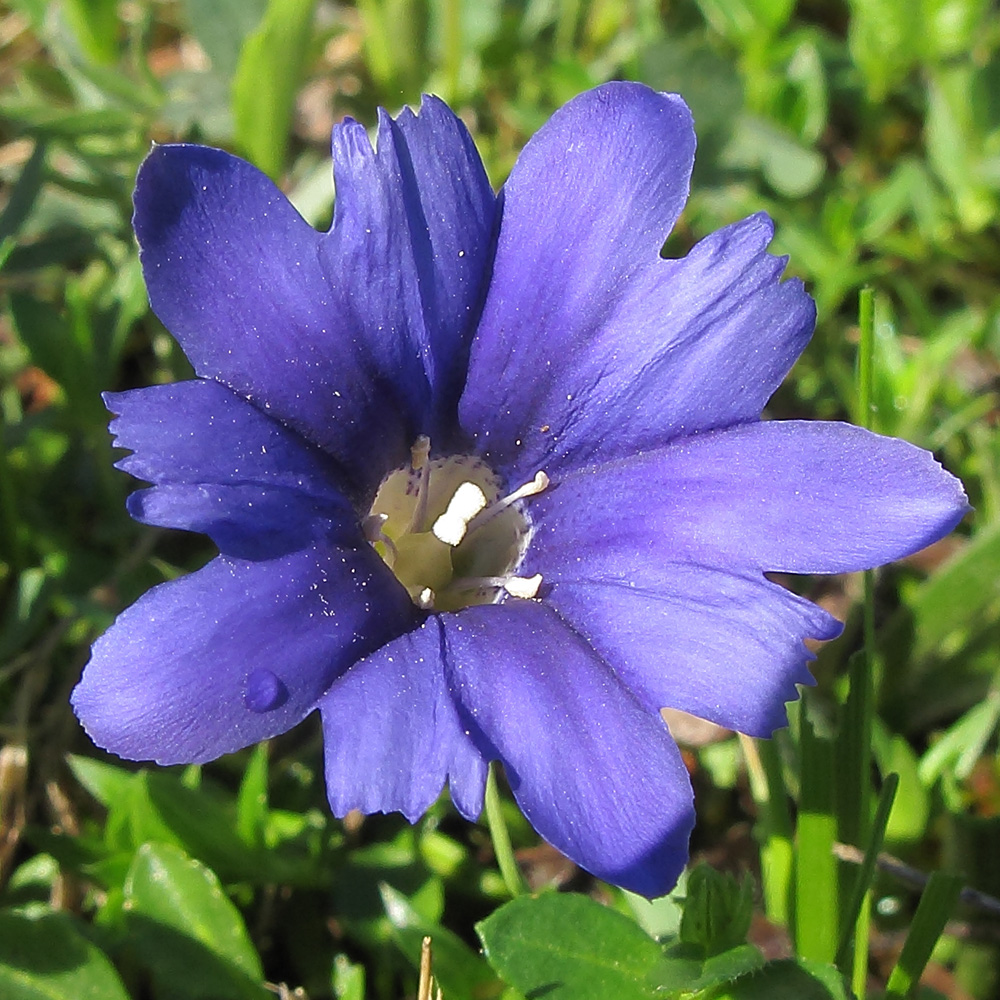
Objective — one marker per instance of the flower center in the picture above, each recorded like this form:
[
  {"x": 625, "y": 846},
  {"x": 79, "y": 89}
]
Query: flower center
[{"x": 443, "y": 528}]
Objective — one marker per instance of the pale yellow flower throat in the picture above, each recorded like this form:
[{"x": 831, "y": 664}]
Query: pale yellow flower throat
[{"x": 442, "y": 527}]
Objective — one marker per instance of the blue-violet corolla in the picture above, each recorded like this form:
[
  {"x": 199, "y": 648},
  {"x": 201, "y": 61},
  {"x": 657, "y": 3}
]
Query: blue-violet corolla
[{"x": 487, "y": 475}]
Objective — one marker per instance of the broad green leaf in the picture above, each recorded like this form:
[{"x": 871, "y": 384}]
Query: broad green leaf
[
  {"x": 951, "y": 26},
  {"x": 43, "y": 956},
  {"x": 186, "y": 931},
  {"x": 201, "y": 824},
  {"x": 679, "y": 977},
  {"x": 789, "y": 979},
  {"x": 568, "y": 947},
  {"x": 221, "y": 26},
  {"x": 737, "y": 19},
  {"x": 962, "y": 745},
  {"x": 106, "y": 782},
  {"x": 267, "y": 78}
]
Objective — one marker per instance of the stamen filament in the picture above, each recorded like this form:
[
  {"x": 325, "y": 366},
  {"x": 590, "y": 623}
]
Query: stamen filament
[
  {"x": 419, "y": 454},
  {"x": 372, "y": 529},
  {"x": 537, "y": 485},
  {"x": 516, "y": 586}
]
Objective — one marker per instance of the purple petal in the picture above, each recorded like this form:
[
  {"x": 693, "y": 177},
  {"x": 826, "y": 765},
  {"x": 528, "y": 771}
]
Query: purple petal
[
  {"x": 392, "y": 734},
  {"x": 593, "y": 347},
  {"x": 595, "y": 774},
  {"x": 224, "y": 468},
  {"x": 201, "y": 432},
  {"x": 412, "y": 241},
  {"x": 658, "y": 560},
  {"x": 352, "y": 338},
  {"x": 783, "y": 496},
  {"x": 720, "y": 645},
  {"x": 245, "y": 521},
  {"x": 235, "y": 653}
]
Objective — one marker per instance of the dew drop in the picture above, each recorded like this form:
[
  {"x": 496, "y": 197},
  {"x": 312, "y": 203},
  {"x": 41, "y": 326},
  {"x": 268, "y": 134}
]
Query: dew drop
[{"x": 265, "y": 691}]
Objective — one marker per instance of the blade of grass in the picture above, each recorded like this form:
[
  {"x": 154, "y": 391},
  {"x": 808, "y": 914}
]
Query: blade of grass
[
  {"x": 935, "y": 907},
  {"x": 816, "y": 887},
  {"x": 865, "y": 874},
  {"x": 267, "y": 76},
  {"x": 774, "y": 825},
  {"x": 854, "y": 740}
]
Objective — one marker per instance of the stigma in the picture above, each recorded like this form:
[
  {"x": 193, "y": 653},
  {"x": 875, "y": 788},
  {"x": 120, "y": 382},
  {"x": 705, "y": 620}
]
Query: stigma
[{"x": 448, "y": 534}]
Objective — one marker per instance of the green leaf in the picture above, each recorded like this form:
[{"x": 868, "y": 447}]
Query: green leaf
[
  {"x": 958, "y": 132},
  {"x": 267, "y": 78},
  {"x": 962, "y": 745},
  {"x": 911, "y": 810},
  {"x": 791, "y": 168},
  {"x": 568, "y": 947},
  {"x": 348, "y": 979},
  {"x": 186, "y": 930},
  {"x": 458, "y": 969},
  {"x": 678, "y": 975},
  {"x": 201, "y": 824},
  {"x": 717, "y": 912},
  {"x": 108, "y": 783},
  {"x": 954, "y": 596},
  {"x": 789, "y": 979},
  {"x": 23, "y": 193},
  {"x": 96, "y": 26},
  {"x": 221, "y": 26},
  {"x": 884, "y": 39},
  {"x": 43, "y": 956}
]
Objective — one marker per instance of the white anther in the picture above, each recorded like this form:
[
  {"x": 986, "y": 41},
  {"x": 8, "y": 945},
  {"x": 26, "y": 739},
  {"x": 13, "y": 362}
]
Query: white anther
[
  {"x": 521, "y": 586},
  {"x": 536, "y": 486},
  {"x": 426, "y": 599},
  {"x": 467, "y": 502}
]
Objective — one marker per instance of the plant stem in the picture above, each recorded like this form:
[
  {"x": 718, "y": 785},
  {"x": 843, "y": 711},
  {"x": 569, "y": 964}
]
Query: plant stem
[{"x": 506, "y": 861}]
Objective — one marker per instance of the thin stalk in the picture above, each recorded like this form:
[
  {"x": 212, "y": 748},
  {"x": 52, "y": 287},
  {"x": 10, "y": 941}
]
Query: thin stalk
[
  {"x": 506, "y": 861},
  {"x": 452, "y": 38},
  {"x": 857, "y": 828}
]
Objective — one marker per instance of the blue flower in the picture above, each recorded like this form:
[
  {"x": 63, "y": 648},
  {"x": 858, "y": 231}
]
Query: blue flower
[{"x": 488, "y": 477}]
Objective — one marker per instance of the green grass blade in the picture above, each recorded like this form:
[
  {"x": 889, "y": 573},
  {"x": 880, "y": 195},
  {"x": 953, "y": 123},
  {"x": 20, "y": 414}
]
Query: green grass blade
[
  {"x": 816, "y": 877},
  {"x": 775, "y": 829},
  {"x": 267, "y": 78},
  {"x": 865, "y": 873},
  {"x": 936, "y": 905}
]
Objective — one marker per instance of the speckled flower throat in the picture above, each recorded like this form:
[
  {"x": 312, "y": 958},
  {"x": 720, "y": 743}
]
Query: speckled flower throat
[{"x": 447, "y": 534}]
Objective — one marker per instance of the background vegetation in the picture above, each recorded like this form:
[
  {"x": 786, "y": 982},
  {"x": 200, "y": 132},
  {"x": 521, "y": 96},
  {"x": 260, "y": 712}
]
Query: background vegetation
[{"x": 870, "y": 131}]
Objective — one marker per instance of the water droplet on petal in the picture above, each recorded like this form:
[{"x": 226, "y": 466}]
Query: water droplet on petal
[{"x": 265, "y": 691}]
